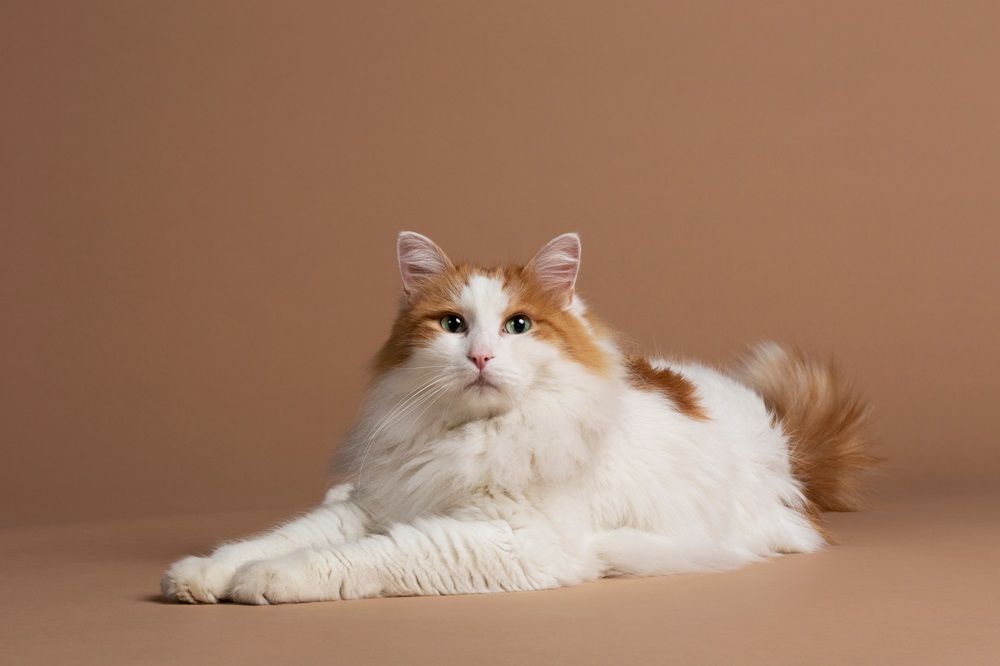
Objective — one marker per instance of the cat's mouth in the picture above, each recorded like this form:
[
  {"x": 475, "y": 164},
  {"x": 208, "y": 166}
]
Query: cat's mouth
[{"x": 481, "y": 382}]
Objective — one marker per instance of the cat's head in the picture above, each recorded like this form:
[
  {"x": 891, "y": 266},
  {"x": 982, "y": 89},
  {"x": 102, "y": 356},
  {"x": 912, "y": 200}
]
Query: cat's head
[{"x": 485, "y": 338}]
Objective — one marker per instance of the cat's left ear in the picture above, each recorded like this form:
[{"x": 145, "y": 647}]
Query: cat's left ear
[{"x": 557, "y": 264}]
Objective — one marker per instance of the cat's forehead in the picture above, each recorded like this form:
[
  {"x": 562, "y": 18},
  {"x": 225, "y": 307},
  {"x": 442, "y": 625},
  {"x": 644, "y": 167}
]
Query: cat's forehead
[
  {"x": 467, "y": 288},
  {"x": 484, "y": 293},
  {"x": 483, "y": 290}
]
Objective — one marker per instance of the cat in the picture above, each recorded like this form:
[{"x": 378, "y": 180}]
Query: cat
[{"x": 507, "y": 442}]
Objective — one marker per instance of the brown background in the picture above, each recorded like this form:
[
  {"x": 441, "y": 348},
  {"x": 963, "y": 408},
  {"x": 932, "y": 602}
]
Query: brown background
[{"x": 199, "y": 202}]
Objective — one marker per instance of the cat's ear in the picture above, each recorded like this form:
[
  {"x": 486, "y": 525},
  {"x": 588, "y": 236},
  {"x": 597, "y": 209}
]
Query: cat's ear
[
  {"x": 419, "y": 259},
  {"x": 557, "y": 264}
]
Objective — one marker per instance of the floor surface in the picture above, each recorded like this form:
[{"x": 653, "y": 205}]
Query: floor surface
[{"x": 914, "y": 581}]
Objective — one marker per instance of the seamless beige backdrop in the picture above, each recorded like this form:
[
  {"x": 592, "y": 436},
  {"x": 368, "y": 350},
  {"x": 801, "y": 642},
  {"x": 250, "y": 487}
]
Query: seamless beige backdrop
[{"x": 199, "y": 202}]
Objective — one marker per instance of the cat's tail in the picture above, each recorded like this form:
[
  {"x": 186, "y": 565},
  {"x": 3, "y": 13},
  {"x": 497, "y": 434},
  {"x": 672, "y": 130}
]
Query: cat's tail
[{"x": 825, "y": 420}]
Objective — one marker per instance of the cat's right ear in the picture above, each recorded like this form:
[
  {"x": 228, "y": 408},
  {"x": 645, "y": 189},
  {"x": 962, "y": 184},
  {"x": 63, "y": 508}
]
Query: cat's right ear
[{"x": 419, "y": 259}]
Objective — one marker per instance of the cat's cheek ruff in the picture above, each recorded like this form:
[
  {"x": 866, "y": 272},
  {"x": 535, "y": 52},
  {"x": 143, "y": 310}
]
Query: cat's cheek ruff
[{"x": 431, "y": 463}]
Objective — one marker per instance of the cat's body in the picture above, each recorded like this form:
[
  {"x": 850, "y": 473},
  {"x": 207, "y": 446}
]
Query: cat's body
[{"x": 508, "y": 444}]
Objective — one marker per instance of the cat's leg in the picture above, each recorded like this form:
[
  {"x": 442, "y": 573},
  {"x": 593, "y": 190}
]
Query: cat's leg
[
  {"x": 428, "y": 557},
  {"x": 207, "y": 579}
]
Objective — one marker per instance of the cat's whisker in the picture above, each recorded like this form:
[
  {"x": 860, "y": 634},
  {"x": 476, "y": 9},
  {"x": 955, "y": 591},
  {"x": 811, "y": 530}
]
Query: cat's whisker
[
  {"x": 400, "y": 407},
  {"x": 413, "y": 400},
  {"x": 389, "y": 421},
  {"x": 433, "y": 400},
  {"x": 432, "y": 382}
]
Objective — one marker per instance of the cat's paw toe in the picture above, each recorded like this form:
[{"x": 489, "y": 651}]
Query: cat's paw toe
[
  {"x": 289, "y": 579},
  {"x": 259, "y": 583},
  {"x": 195, "y": 580}
]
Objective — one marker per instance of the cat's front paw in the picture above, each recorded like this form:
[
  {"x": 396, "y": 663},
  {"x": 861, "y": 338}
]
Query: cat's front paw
[
  {"x": 197, "y": 580},
  {"x": 305, "y": 575}
]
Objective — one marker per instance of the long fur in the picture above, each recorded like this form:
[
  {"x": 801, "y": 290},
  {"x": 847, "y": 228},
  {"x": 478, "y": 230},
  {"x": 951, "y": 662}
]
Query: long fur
[
  {"x": 488, "y": 458},
  {"x": 824, "y": 417}
]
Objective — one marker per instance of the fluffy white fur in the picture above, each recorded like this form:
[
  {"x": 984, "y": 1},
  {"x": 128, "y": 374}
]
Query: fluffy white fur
[{"x": 552, "y": 476}]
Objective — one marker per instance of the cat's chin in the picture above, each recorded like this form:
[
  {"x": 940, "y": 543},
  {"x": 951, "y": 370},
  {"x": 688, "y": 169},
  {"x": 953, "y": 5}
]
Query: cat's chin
[{"x": 482, "y": 399}]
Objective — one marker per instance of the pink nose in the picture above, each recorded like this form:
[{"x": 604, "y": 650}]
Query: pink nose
[{"x": 480, "y": 360}]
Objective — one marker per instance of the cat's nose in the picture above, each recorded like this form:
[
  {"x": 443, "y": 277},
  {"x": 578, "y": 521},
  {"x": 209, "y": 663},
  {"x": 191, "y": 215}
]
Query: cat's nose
[{"x": 480, "y": 359}]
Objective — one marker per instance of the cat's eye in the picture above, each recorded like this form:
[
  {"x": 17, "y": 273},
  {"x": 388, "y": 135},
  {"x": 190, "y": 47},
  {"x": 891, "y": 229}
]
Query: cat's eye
[
  {"x": 517, "y": 324},
  {"x": 453, "y": 323}
]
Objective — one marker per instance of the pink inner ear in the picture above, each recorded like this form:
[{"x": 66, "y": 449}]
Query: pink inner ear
[
  {"x": 419, "y": 259},
  {"x": 557, "y": 264}
]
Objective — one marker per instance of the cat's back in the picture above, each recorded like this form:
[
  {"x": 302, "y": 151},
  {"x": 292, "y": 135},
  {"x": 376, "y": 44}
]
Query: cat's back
[
  {"x": 681, "y": 466},
  {"x": 687, "y": 424},
  {"x": 693, "y": 396},
  {"x": 722, "y": 399}
]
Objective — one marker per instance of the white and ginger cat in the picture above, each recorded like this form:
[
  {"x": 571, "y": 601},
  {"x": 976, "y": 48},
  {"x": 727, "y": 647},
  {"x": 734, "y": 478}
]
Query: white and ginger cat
[{"x": 508, "y": 443}]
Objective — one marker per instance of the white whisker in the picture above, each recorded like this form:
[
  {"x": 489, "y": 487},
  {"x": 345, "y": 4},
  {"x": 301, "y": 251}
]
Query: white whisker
[{"x": 418, "y": 397}]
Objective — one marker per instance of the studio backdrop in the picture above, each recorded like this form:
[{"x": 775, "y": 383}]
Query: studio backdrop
[{"x": 199, "y": 207}]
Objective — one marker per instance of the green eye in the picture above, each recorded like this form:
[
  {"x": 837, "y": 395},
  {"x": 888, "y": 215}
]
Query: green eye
[
  {"x": 453, "y": 323},
  {"x": 517, "y": 324}
]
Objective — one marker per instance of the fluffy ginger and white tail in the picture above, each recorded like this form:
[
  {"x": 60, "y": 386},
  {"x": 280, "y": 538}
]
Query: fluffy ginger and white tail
[{"x": 825, "y": 420}]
